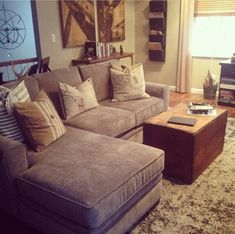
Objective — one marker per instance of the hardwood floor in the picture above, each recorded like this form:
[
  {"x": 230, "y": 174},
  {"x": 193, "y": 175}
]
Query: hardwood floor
[
  {"x": 176, "y": 98},
  {"x": 9, "y": 225}
]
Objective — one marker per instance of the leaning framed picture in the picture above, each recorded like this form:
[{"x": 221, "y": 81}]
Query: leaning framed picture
[
  {"x": 111, "y": 20},
  {"x": 77, "y": 22}
]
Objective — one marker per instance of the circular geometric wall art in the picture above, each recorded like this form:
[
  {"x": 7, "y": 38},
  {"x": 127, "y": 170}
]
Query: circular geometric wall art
[{"x": 12, "y": 29}]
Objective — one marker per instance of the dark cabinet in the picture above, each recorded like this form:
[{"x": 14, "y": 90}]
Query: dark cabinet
[
  {"x": 157, "y": 25},
  {"x": 227, "y": 84}
]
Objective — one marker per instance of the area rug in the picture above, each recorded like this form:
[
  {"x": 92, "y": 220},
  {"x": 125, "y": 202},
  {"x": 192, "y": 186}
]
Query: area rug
[{"x": 207, "y": 206}]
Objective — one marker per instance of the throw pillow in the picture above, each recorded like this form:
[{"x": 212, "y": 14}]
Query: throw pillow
[
  {"x": 9, "y": 126},
  {"x": 40, "y": 122},
  {"x": 77, "y": 100},
  {"x": 129, "y": 83}
]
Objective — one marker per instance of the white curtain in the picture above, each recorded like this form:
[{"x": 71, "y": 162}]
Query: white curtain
[{"x": 184, "y": 66}]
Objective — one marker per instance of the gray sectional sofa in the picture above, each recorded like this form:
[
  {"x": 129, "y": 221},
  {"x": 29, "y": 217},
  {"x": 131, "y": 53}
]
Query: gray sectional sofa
[{"x": 93, "y": 179}]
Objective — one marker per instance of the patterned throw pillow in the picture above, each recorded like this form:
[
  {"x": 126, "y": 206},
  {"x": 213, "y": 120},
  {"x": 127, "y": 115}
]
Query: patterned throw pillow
[
  {"x": 129, "y": 83},
  {"x": 9, "y": 126},
  {"x": 78, "y": 100},
  {"x": 40, "y": 122}
]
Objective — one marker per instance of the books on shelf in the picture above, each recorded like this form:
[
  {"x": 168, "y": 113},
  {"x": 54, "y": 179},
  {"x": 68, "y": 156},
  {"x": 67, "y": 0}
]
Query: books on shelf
[
  {"x": 103, "y": 49},
  {"x": 228, "y": 80},
  {"x": 227, "y": 96},
  {"x": 227, "y": 86}
]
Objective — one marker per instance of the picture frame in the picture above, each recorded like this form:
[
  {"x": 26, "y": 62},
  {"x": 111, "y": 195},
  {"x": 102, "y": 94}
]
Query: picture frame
[{"x": 77, "y": 22}]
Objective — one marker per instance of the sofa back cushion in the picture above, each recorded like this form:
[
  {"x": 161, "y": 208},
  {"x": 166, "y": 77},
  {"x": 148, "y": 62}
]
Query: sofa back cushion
[
  {"x": 49, "y": 82},
  {"x": 100, "y": 74}
]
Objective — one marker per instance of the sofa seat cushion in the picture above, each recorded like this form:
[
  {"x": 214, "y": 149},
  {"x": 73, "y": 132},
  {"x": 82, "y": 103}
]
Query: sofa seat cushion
[
  {"x": 142, "y": 108},
  {"x": 104, "y": 120},
  {"x": 86, "y": 177}
]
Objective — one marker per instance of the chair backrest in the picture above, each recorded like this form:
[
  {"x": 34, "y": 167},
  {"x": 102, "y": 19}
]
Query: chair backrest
[
  {"x": 44, "y": 65},
  {"x": 33, "y": 69}
]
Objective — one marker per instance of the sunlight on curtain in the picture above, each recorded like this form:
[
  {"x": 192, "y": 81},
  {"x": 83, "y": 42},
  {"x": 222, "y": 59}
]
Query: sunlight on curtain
[{"x": 213, "y": 36}]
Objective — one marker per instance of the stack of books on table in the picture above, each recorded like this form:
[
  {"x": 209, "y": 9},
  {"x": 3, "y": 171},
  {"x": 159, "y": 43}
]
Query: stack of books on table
[{"x": 201, "y": 108}]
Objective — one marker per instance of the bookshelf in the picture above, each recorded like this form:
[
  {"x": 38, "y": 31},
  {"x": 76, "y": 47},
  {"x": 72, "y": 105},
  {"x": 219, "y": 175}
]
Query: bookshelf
[
  {"x": 227, "y": 84},
  {"x": 118, "y": 56},
  {"x": 157, "y": 25}
]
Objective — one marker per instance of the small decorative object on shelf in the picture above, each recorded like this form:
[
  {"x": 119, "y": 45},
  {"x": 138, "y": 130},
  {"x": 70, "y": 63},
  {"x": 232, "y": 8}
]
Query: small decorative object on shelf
[
  {"x": 157, "y": 24},
  {"x": 233, "y": 58},
  {"x": 227, "y": 84},
  {"x": 1, "y": 78},
  {"x": 210, "y": 86},
  {"x": 121, "y": 49}
]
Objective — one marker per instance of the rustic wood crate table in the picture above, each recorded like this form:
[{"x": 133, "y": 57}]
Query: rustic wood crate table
[{"x": 189, "y": 150}]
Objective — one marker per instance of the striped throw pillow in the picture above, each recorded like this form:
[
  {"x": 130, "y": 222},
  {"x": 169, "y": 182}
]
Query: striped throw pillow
[
  {"x": 8, "y": 124},
  {"x": 40, "y": 122},
  {"x": 20, "y": 93}
]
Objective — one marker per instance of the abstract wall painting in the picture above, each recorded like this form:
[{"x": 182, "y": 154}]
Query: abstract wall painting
[
  {"x": 111, "y": 20},
  {"x": 78, "y": 22}
]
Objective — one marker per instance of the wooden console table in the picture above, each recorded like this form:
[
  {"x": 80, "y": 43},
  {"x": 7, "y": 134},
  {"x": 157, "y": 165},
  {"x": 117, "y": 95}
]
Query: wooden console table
[{"x": 98, "y": 60}]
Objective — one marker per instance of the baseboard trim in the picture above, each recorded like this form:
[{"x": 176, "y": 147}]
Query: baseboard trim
[{"x": 193, "y": 90}]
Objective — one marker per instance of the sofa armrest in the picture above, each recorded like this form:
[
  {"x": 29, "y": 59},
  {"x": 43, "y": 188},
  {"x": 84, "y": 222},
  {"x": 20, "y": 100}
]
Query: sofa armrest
[
  {"x": 13, "y": 161},
  {"x": 160, "y": 91}
]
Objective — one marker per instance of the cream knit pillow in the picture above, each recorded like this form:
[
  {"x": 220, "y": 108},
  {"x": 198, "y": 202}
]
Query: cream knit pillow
[
  {"x": 78, "y": 99},
  {"x": 129, "y": 83}
]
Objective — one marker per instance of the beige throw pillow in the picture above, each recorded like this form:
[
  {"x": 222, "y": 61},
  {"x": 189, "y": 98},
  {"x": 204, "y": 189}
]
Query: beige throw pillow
[
  {"x": 40, "y": 122},
  {"x": 78, "y": 100},
  {"x": 129, "y": 83}
]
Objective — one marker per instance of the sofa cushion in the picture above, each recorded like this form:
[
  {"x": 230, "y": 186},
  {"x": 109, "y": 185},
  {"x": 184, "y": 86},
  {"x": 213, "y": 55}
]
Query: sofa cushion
[
  {"x": 129, "y": 83},
  {"x": 48, "y": 81},
  {"x": 142, "y": 108},
  {"x": 100, "y": 73},
  {"x": 76, "y": 100},
  {"x": 88, "y": 180},
  {"x": 104, "y": 120},
  {"x": 39, "y": 121}
]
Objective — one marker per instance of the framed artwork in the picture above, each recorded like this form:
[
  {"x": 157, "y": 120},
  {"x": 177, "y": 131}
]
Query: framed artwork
[
  {"x": 111, "y": 20},
  {"x": 77, "y": 21}
]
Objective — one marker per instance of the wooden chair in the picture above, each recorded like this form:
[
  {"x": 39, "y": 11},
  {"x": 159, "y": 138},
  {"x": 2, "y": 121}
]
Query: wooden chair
[
  {"x": 44, "y": 65},
  {"x": 33, "y": 69}
]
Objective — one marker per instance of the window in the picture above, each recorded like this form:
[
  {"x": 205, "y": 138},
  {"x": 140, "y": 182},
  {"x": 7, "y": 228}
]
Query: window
[
  {"x": 213, "y": 36},
  {"x": 213, "y": 28}
]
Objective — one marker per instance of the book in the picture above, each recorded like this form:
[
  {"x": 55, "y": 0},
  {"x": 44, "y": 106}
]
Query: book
[{"x": 182, "y": 120}]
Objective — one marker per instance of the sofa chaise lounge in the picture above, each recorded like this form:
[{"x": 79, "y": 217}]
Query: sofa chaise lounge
[{"x": 90, "y": 180}]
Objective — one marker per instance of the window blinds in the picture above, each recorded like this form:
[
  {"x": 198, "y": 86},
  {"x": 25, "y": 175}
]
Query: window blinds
[{"x": 214, "y": 8}]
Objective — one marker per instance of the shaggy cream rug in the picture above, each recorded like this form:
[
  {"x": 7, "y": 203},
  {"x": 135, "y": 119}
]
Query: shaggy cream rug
[{"x": 207, "y": 206}]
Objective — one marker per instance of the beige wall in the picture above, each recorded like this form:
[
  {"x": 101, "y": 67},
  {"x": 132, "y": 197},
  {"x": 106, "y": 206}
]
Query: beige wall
[
  {"x": 159, "y": 72},
  {"x": 137, "y": 32},
  {"x": 49, "y": 23},
  {"x": 165, "y": 73}
]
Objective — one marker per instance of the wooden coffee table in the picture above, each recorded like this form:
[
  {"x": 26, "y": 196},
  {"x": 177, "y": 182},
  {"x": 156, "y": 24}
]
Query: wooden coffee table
[{"x": 188, "y": 150}]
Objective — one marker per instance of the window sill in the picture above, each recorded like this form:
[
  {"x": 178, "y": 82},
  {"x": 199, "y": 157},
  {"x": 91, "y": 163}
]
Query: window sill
[{"x": 209, "y": 57}]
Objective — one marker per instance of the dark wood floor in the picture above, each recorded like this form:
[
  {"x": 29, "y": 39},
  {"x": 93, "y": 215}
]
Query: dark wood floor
[{"x": 9, "y": 225}]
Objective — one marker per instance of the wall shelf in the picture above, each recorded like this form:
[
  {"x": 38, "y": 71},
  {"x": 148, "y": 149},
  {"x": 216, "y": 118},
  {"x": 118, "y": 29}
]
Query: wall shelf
[{"x": 157, "y": 25}]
